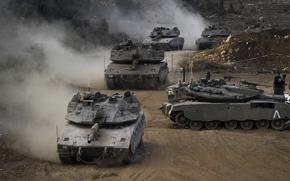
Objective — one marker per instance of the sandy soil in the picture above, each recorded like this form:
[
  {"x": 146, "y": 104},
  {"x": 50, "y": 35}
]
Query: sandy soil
[{"x": 172, "y": 153}]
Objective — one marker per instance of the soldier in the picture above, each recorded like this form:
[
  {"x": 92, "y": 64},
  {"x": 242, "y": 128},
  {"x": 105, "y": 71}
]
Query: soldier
[
  {"x": 278, "y": 85},
  {"x": 207, "y": 76},
  {"x": 127, "y": 94},
  {"x": 76, "y": 97}
]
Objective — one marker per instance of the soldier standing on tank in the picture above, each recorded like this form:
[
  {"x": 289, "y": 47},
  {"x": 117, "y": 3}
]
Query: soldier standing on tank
[
  {"x": 207, "y": 76},
  {"x": 135, "y": 59},
  {"x": 278, "y": 85}
]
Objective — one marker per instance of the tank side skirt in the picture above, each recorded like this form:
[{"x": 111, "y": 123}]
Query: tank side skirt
[{"x": 240, "y": 111}]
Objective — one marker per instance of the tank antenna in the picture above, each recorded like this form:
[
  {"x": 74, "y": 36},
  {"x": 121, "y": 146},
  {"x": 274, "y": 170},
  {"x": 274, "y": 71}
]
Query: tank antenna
[
  {"x": 183, "y": 74},
  {"x": 57, "y": 138},
  {"x": 104, "y": 62},
  {"x": 89, "y": 85}
]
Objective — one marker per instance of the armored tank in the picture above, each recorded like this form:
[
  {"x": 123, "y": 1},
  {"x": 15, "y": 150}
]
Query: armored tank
[
  {"x": 136, "y": 66},
  {"x": 167, "y": 38},
  {"x": 258, "y": 27},
  {"x": 211, "y": 36},
  {"x": 100, "y": 126},
  {"x": 212, "y": 104}
]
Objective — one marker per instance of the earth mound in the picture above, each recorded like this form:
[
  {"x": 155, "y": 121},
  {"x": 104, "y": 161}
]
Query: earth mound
[{"x": 262, "y": 51}]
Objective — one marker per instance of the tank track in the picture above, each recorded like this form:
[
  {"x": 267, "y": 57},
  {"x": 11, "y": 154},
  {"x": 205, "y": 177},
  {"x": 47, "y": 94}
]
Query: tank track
[
  {"x": 277, "y": 124},
  {"x": 127, "y": 157},
  {"x": 67, "y": 156}
]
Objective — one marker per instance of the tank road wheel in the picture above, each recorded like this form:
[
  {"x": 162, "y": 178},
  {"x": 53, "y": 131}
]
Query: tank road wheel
[
  {"x": 212, "y": 125},
  {"x": 277, "y": 124},
  {"x": 263, "y": 124},
  {"x": 180, "y": 119},
  {"x": 231, "y": 125},
  {"x": 247, "y": 124},
  {"x": 195, "y": 125}
]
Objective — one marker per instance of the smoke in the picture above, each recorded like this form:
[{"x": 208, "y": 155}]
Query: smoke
[
  {"x": 39, "y": 71},
  {"x": 168, "y": 13}
]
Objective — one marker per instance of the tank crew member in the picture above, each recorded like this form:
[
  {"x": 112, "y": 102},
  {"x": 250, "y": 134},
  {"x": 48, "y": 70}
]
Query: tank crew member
[
  {"x": 129, "y": 42},
  {"x": 76, "y": 97},
  {"x": 278, "y": 85},
  {"x": 130, "y": 97},
  {"x": 98, "y": 95},
  {"x": 207, "y": 76},
  {"x": 127, "y": 94}
]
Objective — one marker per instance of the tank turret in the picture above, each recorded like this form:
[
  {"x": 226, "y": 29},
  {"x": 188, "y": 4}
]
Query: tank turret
[
  {"x": 101, "y": 126},
  {"x": 163, "y": 32},
  {"x": 126, "y": 52}
]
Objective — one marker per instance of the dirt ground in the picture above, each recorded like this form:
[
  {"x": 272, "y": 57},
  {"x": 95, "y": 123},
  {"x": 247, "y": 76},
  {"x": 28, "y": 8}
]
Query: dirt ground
[{"x": 172, "y": 153}]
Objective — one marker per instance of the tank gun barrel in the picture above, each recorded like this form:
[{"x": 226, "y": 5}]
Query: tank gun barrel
[
  {"x": 253, "y": 84},
  {"x": 249, "y": 83},
  {"x": 280, "y": 98},
  {"x": 94, "y": 132}
]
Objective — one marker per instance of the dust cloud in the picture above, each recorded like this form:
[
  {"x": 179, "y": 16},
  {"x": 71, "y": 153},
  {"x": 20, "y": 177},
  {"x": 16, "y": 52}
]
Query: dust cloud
[
  {"x": 38, "y": 75},
  {"x": 168, "y": 13},
  {"x": 39, "y": 72}
]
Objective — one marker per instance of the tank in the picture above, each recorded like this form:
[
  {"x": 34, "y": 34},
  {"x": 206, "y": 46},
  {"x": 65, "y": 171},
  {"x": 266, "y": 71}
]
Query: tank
[
  {"x": 136, "y": 66},
  {"x": 100, "y": 126},
  {"x": 258, "y": 27},
  {"x": 212, "y": 104},
  {"x": 168, "y": 39},
  {"x": 211, "y": 36}
]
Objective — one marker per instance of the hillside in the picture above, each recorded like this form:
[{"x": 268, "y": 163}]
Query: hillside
[{"x": 264, "y": 51}]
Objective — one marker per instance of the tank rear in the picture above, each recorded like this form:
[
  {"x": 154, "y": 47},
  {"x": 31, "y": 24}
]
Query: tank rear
[{"x": 112, "y": 128}]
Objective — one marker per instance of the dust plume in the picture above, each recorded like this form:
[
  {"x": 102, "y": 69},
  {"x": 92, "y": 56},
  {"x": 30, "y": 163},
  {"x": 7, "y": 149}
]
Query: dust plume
[
  {"x": 39, "y": 69},
  {"x": 38, "y": 75},
  {"x": 168, "y": 13}
]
